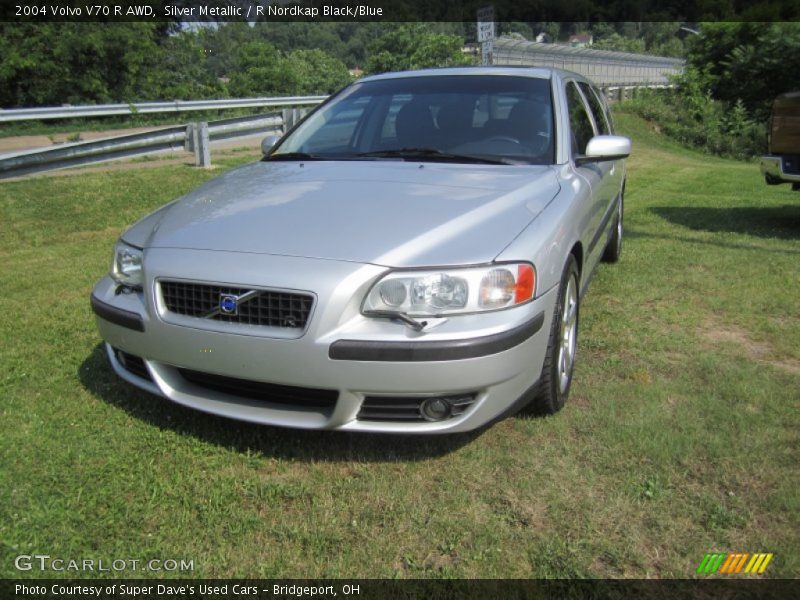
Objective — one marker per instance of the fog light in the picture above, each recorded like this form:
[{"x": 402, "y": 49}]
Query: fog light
[{"x": 435, "y": 409}]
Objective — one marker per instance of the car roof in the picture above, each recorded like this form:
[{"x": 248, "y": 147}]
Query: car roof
[
  {"x": 535, "y": 72},
  {"x": 508, "y": 71}
]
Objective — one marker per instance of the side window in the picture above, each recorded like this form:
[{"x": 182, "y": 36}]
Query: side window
[
  {"x": 579, "y": 121},
  {"x": 606, "y": 109},
  {"x": 599, "y": 113}
]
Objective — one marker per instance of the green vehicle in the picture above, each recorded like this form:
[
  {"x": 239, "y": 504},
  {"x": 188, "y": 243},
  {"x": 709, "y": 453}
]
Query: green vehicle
[{"x": 782, "y": 164}]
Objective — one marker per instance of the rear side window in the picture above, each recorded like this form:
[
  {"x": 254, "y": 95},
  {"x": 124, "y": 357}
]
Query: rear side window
[
  {"x": 579, "y": 122},
  {"x": 598, "y": 111}
]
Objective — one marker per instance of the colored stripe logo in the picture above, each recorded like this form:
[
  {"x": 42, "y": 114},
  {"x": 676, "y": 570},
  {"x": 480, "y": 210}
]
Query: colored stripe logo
[{"x": 736, "y": 562}]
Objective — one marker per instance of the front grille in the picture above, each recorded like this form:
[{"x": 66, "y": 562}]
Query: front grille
[
  {"x": 133, "y": 364},
  {"x": 266, "y": 308},
  {"x": 385, "y": 408},
  {"x": 265, "y": 392}
]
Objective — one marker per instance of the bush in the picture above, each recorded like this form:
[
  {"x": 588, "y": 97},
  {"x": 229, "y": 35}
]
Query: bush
[
  {"x": 693, "y": 118},
  {"x": 722, "y": 100},
  {"x": 262, "y": 70}
]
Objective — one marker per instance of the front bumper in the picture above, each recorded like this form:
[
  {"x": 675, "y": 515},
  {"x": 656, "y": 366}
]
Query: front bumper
[
  {"x": 494, "y": 357},
  {"x": 781, "y": 169}
]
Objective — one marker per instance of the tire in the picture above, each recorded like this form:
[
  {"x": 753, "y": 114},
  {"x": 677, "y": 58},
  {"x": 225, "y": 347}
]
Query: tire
[
  {"x": 614, "y": 247},
  {"x": 556, "y": 377}
]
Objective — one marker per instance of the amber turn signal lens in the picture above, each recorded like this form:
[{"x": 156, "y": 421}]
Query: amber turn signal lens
[{"x": 526, "y": 283}]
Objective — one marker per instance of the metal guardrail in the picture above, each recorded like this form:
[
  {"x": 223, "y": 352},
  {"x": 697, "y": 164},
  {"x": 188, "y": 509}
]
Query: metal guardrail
[
  {"x": 603, "y": 67},
  {"x": 618, "y": 93},
  {"x": 168, "y": 138},
  {"x": 102, "y": 110},
  {"x": 240, "y": 126},
  {"x": 81, "y": 153}
]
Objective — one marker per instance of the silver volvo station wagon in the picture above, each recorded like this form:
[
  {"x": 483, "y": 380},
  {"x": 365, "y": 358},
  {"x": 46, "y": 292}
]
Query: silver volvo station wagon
[{"x": 410, "y": 258}]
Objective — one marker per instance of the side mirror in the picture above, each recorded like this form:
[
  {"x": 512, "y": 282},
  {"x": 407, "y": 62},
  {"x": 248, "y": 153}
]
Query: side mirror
[
  {"x": 268, "y": 143},
  {"x": 605, "y": 147}
]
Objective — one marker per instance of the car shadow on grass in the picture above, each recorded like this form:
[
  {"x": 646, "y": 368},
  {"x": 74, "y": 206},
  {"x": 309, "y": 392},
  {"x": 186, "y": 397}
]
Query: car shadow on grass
[
  {"x": 782, "y": 222},
  {"x": 98, "y": 378}
]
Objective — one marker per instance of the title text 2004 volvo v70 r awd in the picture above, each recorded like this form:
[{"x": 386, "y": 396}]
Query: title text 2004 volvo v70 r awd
[{"x": 410, "y": 258}]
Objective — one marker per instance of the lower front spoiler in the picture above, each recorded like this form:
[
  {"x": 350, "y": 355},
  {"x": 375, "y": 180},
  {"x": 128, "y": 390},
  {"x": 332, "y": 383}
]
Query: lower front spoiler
[{"x": 344, "y": 413}]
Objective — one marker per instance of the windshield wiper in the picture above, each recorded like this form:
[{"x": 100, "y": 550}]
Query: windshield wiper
[
  {"x": 398, "y": 316},
  {"x": 434, "y": 154},
  {"x": 295, "y": 156},
  {"x": 307, "y": 156}
]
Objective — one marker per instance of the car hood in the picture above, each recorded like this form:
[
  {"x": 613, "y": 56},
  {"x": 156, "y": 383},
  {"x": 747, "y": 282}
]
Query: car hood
[{"x": 391, "y": 213}]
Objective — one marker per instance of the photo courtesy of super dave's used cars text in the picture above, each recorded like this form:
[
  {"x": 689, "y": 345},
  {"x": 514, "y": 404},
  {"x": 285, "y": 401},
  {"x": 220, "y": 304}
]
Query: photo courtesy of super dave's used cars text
[{"x": 173, "y": 589}]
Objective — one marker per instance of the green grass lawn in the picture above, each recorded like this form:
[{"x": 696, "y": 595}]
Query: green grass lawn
[{"x": 680, "y": 437}]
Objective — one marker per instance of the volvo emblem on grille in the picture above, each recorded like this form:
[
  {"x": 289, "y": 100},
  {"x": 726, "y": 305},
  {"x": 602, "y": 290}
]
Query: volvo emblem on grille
[{"x": 229, "y": 304}]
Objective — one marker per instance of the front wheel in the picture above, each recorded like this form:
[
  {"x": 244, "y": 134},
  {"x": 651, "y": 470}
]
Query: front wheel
[{"x": 559, "y": 361}]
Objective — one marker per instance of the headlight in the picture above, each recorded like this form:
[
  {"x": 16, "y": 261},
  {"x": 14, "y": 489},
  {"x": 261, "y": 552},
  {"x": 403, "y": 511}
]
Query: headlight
[
  {"x": 452, "y": 291},
  {"x": 126, "y": 267}
]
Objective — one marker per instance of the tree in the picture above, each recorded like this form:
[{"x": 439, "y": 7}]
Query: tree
[
  {"x": 515, "y": 27},
  {"x": 412, "y": 46},
  {"x": 751, "y": 62},
  {"x": 262, "y": 70},
  {"x": 317, "y": 72},
  {"x": 223, "y": 44},
  {"x": 27, "y": 72},
  {"x": 659, "y": 38},
  {"x": 53, "y": 63},
  {"x": 551, "y": 28},
  {"x": 181, "y": 71},
  {"x": 615, "y": 42},
  {"x": 660, "y": 34},
  {"x": 259, "y": 72}
]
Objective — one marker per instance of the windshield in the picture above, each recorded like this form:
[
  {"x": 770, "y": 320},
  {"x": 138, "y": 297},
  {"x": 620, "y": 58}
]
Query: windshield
[{"x": 455, "y": 118}]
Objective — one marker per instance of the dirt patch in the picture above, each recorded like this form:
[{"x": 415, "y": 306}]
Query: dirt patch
[
  {"x": 717, "y": 333},
  {"x": 519, "y": 513},
  {"x": 440, "y": 562},
  {"x": 726, "y": 334}
]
